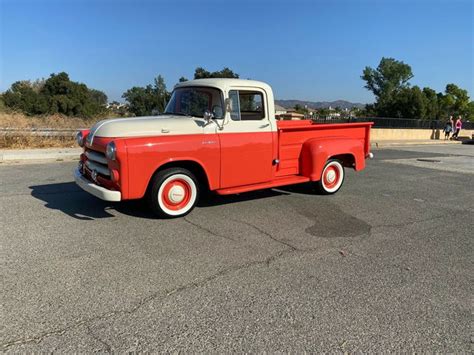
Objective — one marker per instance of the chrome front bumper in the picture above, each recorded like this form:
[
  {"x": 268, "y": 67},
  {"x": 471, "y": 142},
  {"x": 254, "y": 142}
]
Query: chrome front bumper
[{"x": 93, "y": 189}]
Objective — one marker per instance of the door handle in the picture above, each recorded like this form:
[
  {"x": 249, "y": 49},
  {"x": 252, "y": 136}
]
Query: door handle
[{"x": 265, "y": 125}]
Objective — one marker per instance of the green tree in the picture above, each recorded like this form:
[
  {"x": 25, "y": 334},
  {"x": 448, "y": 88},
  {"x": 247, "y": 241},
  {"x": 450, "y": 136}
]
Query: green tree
[
  {"x": 142, "y": 100},
  {"x": 147, "y": 100},
  {"x": 161, "y": 92},
  {"x": 445, "y": 104},
  {"x": 72, "y": 98},
  {"x": 2, "y": 103},
  {"x": 390, "y": 76},
  {"x": 98, "y": 97},
  {"x": 201, "y": 73},
  {"x": 386, "y": 81},
  {"x": 470, "y": 114},
  {"x": 395, "y": 98},
  {"x": 22, "y": 96},
  {"x": 409, "y": 103},
  {"x": 298, "y": 108},
  {"x": 368, "y": 111},
  {"x": 458, "y": 99},
  {"x": 432, "y": 106},
  {"x": 323, "y": 112}
]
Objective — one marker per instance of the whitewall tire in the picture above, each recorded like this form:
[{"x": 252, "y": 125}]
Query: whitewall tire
[
  {"x": 174, "y": 192},
  {"x": 332, "y": 177}
]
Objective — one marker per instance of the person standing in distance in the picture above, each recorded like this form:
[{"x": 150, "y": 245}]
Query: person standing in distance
[
  {"x": 448, "y": 128},
  {"x": 457, "y": 127}
]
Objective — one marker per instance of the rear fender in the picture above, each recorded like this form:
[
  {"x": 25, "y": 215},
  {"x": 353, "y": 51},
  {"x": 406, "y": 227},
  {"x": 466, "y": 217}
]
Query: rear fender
[{"x": 316, "y": 152}]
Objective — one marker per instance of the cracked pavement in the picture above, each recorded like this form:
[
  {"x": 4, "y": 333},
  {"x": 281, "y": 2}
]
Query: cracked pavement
[{"x": 384, "y": 265}]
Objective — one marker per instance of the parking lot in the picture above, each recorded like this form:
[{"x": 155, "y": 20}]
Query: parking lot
[{"x": 386, "y": 264}]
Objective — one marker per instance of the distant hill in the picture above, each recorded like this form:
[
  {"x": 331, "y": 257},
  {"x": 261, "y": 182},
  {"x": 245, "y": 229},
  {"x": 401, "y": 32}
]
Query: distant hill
[{"x": 320, "y": 104}]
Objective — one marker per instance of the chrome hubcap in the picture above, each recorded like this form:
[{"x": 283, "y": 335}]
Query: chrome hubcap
[
  {"x": 331, "y": 176},
  {"x": 176, "y": 194}
]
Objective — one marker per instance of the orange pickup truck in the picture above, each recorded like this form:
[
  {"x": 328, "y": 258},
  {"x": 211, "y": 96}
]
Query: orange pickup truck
[{"x": 219, "y": 135}]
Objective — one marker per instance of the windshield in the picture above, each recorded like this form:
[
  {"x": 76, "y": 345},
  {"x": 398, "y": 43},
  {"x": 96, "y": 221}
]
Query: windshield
[{"x": 194, "y": 101}]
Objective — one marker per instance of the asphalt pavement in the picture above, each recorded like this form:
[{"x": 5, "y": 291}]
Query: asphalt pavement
[{"x": 386, "y": 264}]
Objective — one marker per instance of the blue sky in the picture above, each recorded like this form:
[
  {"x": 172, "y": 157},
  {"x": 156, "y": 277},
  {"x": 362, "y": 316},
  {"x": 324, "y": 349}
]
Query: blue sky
[{"x": 311, "y": 50}]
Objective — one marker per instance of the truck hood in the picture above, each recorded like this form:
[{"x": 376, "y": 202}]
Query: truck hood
[{"x": 146, "y": 126}]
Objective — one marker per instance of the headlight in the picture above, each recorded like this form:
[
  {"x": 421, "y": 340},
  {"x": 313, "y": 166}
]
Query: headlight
[
  {"x": 80, "y": 139},
  {"x": 111, "y": 151}
]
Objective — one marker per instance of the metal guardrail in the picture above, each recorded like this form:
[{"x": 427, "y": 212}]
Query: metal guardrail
[
  {"x": 41, "y": 132},
  {"x": 379, "y": 122},
  {"x": 404, "y": 123}
]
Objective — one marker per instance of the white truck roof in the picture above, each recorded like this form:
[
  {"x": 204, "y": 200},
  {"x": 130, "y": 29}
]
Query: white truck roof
[
  {"x": 224, "y": 84},
  {"x": 228, "y": 84}
]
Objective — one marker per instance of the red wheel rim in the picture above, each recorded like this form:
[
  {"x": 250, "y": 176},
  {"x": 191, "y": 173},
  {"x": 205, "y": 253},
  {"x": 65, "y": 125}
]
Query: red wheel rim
[
  {"x": 331, "y": 176},
  {"x": 176, "y": 194}
]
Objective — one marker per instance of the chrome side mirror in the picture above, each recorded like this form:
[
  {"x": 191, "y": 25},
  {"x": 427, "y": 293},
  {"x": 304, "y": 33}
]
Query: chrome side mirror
[{"x": 208, "y": 116}]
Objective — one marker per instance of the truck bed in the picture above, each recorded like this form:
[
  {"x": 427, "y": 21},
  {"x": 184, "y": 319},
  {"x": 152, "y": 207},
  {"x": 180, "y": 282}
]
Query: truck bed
[{"x": 292, "y": 135}]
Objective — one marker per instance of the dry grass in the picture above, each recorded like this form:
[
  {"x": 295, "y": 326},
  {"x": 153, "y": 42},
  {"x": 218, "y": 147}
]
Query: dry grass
[
  {"x": 19, "y": 120},
  {"x": 24, "y": 141},
  {"x": 16, "y": 141}
]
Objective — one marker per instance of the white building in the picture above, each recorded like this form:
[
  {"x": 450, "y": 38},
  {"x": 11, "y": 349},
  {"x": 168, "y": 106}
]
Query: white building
[{"x": 279, "y": 110}]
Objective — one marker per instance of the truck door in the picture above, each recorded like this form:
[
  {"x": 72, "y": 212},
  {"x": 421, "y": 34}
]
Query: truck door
[{"x": 246, "y": 140}]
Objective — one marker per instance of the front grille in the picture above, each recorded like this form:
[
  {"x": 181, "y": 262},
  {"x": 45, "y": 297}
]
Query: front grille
[{"x": 98, "y": 162}]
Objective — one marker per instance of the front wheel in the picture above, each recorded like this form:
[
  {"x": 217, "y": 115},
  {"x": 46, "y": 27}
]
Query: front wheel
[
  {"x": 332, "y": 178},
  {"x": 173, "y": 193}
]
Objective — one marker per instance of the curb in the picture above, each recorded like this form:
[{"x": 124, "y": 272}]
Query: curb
[{"x": 40, "y": 154}]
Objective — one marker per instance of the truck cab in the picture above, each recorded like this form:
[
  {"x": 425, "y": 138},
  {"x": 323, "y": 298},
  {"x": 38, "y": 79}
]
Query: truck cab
[{"x": 215, "y": 134}]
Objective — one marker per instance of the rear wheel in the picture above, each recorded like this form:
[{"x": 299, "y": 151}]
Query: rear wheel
[
  {"x": 173, "y": 193},
  {"x": 332, "y": 178}
]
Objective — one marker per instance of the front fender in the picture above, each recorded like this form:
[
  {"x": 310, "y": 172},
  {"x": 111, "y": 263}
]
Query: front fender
[
  {"x": 316, "y": 152},
  {"x": 148, "y": 154}
]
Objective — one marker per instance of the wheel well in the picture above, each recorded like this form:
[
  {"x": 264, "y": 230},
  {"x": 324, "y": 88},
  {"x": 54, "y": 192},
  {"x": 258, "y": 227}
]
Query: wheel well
[
  {"x": 192, "y": 166},
  {"x": 347, "y": 160}
]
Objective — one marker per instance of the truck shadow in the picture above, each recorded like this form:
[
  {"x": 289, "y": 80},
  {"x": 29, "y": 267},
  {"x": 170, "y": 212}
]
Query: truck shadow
[
  {"x": 305, "y": 189},
  {"x": 70, "y": 199}
]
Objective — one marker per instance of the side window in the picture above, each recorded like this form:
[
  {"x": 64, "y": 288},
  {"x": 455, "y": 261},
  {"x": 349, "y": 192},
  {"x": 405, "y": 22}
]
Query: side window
[
  {"x": 246, "y": 105},
  {"x": 234, "y": 105},
  {"x": 251, "y": 105}
]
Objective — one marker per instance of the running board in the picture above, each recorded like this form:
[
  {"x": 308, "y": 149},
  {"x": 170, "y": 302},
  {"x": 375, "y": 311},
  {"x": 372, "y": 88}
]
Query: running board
[{"x": 287, "y": 180}]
